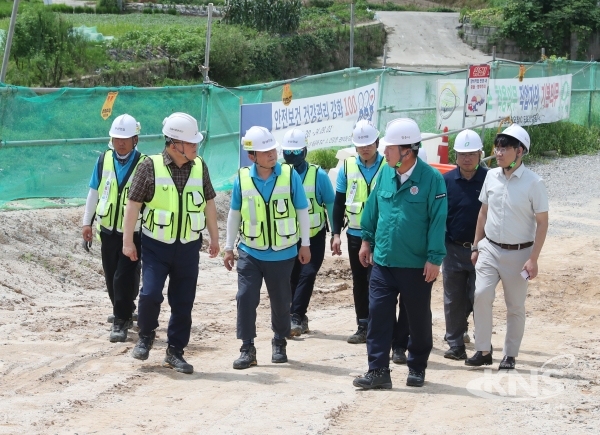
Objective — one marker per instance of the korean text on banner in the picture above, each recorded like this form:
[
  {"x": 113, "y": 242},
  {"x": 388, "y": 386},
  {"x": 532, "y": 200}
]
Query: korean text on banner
[
  {"x": 477, "y": 90},
  {"x": 533, "y": 101},
  {"x": 327, "y": 120}
]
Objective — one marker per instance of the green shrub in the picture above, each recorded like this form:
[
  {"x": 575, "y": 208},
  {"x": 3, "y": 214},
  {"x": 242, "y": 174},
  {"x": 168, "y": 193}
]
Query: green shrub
[
  {"x": 274, "y": 16},
  {"x": 324, "y": 4},
  {"x": 324, "y": 157}
]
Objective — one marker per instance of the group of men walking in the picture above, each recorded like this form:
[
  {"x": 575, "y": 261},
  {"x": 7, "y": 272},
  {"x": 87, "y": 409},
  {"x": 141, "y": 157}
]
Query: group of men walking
[{"x": 403, "y": 221}]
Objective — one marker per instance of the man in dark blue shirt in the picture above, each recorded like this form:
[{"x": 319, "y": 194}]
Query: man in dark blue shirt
[{"x": 464, "y": 186}]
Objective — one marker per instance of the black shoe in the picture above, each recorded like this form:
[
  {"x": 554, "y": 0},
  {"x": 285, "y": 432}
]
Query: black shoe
[
  {"x": 374, "y": 379},
  {"x": 143, "y": 346},
  {"x": 399, "y": 356},
  {"x": 479, "y": 359},
  {"x": 360, "y": 336},
  {"x": 456, "y": 352},
  {"x": 296, "y": 327},
  {"x": 119, "y": 330},
  {"x": 134, "y": 317},
  {"x": 279, "y": 355},
  {"x": 247, "y": 357},
  {"x": 305, "y": 325},
  {"x": 174, "y": 360},
  {"x": 415, "y": 378},
  {"x": 508, "y": 363}
]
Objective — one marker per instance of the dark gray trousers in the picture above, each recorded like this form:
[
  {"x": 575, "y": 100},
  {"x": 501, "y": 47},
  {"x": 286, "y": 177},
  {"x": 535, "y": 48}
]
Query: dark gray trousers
[
  {"x": 459, "y": 291},
  {"x": 276, "y": 275}
]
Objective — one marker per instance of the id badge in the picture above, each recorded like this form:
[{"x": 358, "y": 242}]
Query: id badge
[{"x": 352, "y": 194}]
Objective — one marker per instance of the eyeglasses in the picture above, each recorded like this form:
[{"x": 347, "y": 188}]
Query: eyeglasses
[
  {"x": 182, "y": 143},
  {"x": 502, "y": 150},
  {"x": 472, "y": 155},
  {"x": 294, "y": 152}
]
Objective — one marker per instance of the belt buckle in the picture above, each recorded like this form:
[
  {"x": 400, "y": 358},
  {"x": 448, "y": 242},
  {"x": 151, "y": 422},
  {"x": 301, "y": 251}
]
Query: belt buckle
[{"x": 467, "y": 245}]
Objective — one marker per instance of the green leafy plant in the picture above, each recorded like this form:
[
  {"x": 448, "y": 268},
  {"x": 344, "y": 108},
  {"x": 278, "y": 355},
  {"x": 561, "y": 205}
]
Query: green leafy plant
[
  {"x": 274, "y": 16},
  {"x": 325, "y": 157}
]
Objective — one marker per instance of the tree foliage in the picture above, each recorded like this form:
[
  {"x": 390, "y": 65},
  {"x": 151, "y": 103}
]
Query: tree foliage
[
  {"x": 45, "y": 49},
  {"x": 534, "y": 24}
]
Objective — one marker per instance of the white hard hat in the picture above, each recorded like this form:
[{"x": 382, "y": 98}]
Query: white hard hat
[
  {"x": 467, "y": 141},
  {"x": 182, "y": 126},
  {"x": 402, "y": 131},
  {"x": 124, "y": 126},
  {"x": 519, "y": 133},
  {"x": 259, "y": 139},
  {"x": 295, "y": 139},
  {"x": 364, "y": 133}
]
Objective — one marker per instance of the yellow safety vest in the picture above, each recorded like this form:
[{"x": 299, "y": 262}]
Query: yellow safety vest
[
  {"x": 269, "y": 224},
  {"x": 112, "y": 200},
  {"x": 172, "y": 215},
  {"x": 357, "y": 191},
  {"x": 316, "y": 211}
]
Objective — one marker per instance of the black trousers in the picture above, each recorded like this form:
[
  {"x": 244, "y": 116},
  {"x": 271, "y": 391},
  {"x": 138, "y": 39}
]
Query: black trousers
[
  {"x": 122, "y": 275},
  {"x": 304, "y": 275},
  {"x": 360, "y": 280}
]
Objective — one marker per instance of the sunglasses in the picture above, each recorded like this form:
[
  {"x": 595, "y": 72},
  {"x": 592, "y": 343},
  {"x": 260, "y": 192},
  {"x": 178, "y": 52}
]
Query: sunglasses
[{"x": 294, "y": 152}]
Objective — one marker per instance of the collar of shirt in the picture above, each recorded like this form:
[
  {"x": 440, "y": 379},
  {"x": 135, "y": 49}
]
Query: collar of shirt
[
  {"x": 276, "y": 172},
  {"x": 168, "y": 160},
  {"x": 480, "y": 174},
  {"x": 518, "y": 172},
  {"x": 404, "y": 177},
  {"x": 359, "y": 162}
]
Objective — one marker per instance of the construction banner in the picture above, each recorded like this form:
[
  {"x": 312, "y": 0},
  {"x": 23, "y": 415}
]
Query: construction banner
[{"x": 533, "y": 101}]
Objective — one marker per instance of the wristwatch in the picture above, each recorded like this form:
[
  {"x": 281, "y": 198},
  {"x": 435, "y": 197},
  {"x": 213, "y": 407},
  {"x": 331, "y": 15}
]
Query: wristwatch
[{"x": 474, "y": 248}]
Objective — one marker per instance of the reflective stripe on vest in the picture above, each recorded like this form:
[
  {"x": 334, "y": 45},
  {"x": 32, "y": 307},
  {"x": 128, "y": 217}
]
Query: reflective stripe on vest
[
  {"x": 316, "y": 211},
  {"x": 270, "y": 224},
  {"x": 111, "y": 203},
  {"x": 357, "y": 191},
  {"x": 173, "y": 216}
]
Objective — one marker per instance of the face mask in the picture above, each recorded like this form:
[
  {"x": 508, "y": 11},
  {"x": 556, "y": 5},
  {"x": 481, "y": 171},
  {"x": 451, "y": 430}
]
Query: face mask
[{"x": 295, "y": 160}]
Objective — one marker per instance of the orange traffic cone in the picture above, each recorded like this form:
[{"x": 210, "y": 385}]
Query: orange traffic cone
[{"x": 443, "y": 148}]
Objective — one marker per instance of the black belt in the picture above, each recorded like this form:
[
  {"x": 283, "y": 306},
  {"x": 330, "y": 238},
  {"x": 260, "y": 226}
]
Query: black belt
[
  {"x": 516, "y": 247},
  {"x": 467, "y": 245}
]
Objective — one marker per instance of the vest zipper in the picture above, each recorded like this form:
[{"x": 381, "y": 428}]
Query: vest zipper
[{"x": 180, "y": 214}]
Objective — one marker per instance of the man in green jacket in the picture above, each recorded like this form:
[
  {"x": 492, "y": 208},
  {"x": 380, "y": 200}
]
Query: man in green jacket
[{"x": 405, "y": 219}]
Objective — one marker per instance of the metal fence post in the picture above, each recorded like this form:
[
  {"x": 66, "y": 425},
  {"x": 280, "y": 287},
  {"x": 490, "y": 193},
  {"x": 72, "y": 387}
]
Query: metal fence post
[
  {"x": 9, "y": 36},
  {"x": 352, "y": 34},
  {"x": 207, "y": 48}
]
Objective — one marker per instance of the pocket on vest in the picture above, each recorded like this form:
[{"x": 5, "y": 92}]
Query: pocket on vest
[
  {"x": 196, "y": 222},
  {"x": 281, "y": 209},
  {"x": 194, "y": 201},
  {"x": 251, "y": 231},
  {"x": 286, "y": 227},
  {"x": 355, "y": 207},
  {"x": 104, "y": 210},
  {"x": 315, "y": 220},
  {"x": 160, "y": 223}
]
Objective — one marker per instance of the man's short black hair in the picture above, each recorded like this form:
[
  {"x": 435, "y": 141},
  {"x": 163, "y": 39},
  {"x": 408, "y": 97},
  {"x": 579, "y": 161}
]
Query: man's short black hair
[{"x": 504, "y": 140}]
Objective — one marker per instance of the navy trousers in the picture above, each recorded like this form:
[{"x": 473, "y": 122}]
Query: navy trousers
[
  {"x": 304, "y": 275},
  {"x": 180, "y": 262},
  {"x": 384, "y": 287},
  {"x": 401, "y": 331},
  {"x": 122, "y": 275},
  {"x": 360, "y": 280}
]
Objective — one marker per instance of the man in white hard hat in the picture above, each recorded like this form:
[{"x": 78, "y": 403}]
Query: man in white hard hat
[
  {"x": 511, "y": 230},
  {"x": 353, "y": 186},
  {"x": 269, "y": 211},
  {"x": 178, "y": 198},
  {"x": 463, "y": 185},
  {"x": 403, "y": 228},
  {"x": 106, "y": 203},
  {"x": 320, "y": 196}
]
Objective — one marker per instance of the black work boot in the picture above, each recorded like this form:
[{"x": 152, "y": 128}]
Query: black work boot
[
  {"x": 175, "y": 361},
  {"x": 360, "y": 336},
  {"x": 456, "y": 352},
  {"x": 143, "y": 346},
  {"x": 279, "y": 355},
  {"x": 374, "y": 379},
  {"x": 119, "y": 329},
  {"x": 399, "y": 356},
  {"x": 296, "y": 327},
  {"x": 415, "y": 378},
  {"x": 305, "y": 325},
  {"x": 247, "y": 357}
]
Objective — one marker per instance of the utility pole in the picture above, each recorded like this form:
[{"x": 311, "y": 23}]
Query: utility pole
[
  {"x": 207, "y": 48},
  {"x": 352, "y": 34}
]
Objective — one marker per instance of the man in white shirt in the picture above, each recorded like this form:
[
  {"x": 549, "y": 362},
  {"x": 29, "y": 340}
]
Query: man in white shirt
[{"x": 511, "y": 230}]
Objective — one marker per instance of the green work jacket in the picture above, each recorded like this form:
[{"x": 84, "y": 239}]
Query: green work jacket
[{"x": 407, "y": 223}]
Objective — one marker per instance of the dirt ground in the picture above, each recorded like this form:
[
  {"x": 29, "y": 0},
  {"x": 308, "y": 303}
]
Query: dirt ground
[{"x": 60, "y": 374}]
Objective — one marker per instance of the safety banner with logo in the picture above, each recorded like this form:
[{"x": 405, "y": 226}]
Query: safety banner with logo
[
  {"x": 327, "y": 119},
  {"x": 532, "y": 101}
]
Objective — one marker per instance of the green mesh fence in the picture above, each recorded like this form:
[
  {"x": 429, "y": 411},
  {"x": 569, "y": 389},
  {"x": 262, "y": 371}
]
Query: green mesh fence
[{"x": 49, "y": 142}]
